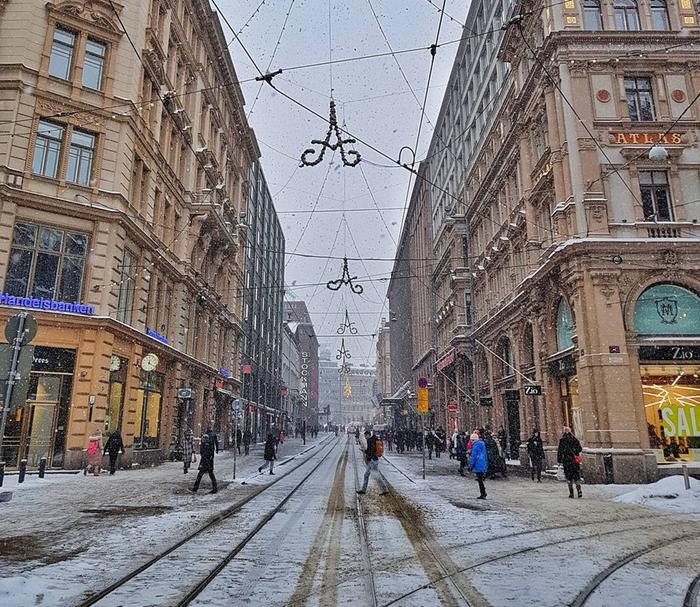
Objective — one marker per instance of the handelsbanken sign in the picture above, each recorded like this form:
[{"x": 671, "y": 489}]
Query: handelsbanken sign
[{"x": 48, "y": 305}]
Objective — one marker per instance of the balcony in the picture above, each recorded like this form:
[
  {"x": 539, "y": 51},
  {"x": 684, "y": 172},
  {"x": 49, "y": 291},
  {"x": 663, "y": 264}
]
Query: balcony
[{"x": 662, "y": 230}]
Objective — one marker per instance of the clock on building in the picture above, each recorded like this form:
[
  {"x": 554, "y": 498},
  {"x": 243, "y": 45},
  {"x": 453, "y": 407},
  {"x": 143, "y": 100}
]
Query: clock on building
[
  {"x": 149, "y": 362},
  {"x": 115, "y": 363}
]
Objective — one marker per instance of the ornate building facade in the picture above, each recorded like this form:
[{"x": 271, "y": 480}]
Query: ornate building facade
[
  {"x": 124, "y": 164},
  {"x": 584, "y": 237}
]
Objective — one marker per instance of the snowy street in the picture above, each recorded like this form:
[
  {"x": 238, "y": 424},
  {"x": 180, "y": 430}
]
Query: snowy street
[{"x": 304, "y": 537}]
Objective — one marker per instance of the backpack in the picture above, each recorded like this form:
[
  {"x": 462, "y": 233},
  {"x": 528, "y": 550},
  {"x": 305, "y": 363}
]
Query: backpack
[{"x": 378, "y": 448}]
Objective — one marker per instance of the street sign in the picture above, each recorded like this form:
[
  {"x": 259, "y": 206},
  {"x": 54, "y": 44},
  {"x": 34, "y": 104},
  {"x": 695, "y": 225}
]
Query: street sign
[
  {"x": 422, "y": 396},
  {"x": 452, "y": 406},
  {"x": 532, "y": 390},
  {"x": 12, "y": 325},
  {"x": 24, "y": 368},
  {"x": 184, "y": 393}
]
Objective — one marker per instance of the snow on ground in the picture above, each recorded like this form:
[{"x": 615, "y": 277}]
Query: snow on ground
[
  {"x": 51, "y": 549},
  {"x": 666, "y": 494}
]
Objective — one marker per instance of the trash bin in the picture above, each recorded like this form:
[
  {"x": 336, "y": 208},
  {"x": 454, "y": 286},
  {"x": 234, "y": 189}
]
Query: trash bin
[{"x": 608, "y": 469}]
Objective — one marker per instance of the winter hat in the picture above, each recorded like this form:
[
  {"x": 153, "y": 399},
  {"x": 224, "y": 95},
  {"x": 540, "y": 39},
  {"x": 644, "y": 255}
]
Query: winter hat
[{"x": 474, "y": 436}]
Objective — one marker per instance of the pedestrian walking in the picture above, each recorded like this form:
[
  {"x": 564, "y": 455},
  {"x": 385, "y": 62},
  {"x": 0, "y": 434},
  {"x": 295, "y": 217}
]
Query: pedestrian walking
[
  {"x": 246, "y": 442},
  {"x": 430, "y": 442},
  {"x": 94, "y": 454},
  {"x": 187, "y": 450},
  {"x": 373, "y": 451},
  {"x": 280, "y": 437},
  {"x": 390, "y": 439},
  {"x": 439, "y": 441},
  {"x": 478, "y": 463},
  {"x": 208, "y": 445},
  {"x": 113, "y": 446},
  {"x": 535, "y": 449},
  {"x": 461, "y": 451},
  {"x": 569, "y": 456},
  {"x": 502, "y": 440},
  {"x": 269, "y": 455},
  {"x": 239, "y": 438}
]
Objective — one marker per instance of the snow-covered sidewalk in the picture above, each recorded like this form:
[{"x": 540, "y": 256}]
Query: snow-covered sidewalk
[{"x": 70, "y": 527}]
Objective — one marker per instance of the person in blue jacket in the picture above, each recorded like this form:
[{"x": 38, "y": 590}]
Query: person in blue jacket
[{"x": 479, "y": 463}]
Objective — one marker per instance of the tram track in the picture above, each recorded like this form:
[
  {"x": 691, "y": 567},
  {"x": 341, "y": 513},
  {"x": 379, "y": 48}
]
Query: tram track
[
  {"x": 593, "y": 585},
  {"x": 221, "y": 517},
  {"x": 692, "y": 595},
  {"x": 364, "y": 540}
]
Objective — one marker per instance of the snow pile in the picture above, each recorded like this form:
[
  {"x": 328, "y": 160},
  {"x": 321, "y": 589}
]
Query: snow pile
[{"x": 666, "y": 494}]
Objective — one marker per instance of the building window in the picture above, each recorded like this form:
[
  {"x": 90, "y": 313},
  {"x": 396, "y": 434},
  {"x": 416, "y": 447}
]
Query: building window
[
  {"x": 626, "y": 15},
  {"x": 659, "y": 15},
  {"x": 640, "y": 100},
  {"x": 47, "y": 149},
  {"x": 93, "y": 66},
  {"x": 565, "y": 326},
  {"x": 62, "y": 50},
  {"x": 505, "y": 353},
  {"x": 127, "y": 283},
  {"x": 592, "y": 16},
  {"x": 80, "y": 156},
  {"x": 46, "y": 262},
  {"x": 656, "y": 196}
]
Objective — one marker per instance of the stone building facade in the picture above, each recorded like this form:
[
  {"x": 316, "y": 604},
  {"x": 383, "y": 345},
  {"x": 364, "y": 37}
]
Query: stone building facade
[
  {"x": 123, "y": 173},
  {"x": 585, "y": 247}
]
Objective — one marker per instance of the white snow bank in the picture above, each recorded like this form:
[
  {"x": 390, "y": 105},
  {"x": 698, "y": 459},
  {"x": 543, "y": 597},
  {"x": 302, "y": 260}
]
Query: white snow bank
[{"x": 666, "y": 494}]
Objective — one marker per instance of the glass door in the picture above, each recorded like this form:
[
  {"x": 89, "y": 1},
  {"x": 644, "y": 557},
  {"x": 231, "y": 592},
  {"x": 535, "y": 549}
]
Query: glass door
[{"x": 40, "y": 433}]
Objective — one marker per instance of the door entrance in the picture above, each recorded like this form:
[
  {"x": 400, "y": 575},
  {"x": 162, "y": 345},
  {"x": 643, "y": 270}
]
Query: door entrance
[{"x": 513, "y": 416}]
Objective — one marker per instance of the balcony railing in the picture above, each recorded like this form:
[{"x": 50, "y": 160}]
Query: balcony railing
[{"x": 655, "y": 230}]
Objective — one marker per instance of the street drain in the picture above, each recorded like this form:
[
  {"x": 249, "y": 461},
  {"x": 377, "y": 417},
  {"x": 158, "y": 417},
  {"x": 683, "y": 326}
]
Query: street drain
[{"x": 127, "y": 510}]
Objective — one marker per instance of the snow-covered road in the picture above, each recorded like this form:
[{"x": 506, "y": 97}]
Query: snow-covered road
[{"x": 308, "y": 540}]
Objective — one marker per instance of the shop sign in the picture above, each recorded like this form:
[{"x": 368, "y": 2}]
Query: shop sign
[
  {"x": 563, "y": 367},
  {"x": 225, "y": 373},
  {"x": 47, "y": 305},
  {"x": 156, "y": 336},
  {"x": 184, "y": 393},
  {"x": 645, "y": 138},
  {"x": 445, "y": 361},
  {"x": 304, "y": 378},
  {"x": 486, "y": 401},
  {"x": 669, "y": 353},
  {"x": 452, "y": 406},
  {"x": 681, "y": 421},
  {"x": 247, "y": 369},
  {"x": 53, "y": 360},
  {"x": 219, "y": 383},
  {"x": 532, "y": 390}
]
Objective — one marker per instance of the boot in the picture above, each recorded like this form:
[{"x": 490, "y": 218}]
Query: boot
[
  {"x": 578, "y": 491},
  {"x": 571, "y": 491}
]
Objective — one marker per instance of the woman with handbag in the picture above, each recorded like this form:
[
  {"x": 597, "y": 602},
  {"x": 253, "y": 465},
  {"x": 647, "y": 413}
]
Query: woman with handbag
[
  {"x": 569, "y": 456},
  {"x": 188, "y": 456}
]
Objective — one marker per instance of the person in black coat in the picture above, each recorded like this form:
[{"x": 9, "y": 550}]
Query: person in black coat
[
  {"x": 113, "y": 446},
  {"x": 461, "y": 451},
  {"x": 208, "y": 445},
  {"x": 239, "y": 438},
  {"x": 535, "y": 449},
  {"x": 269, "y": 455},
  {"x": 569, "y": 456},
  {"x": 493, "y": 455}
]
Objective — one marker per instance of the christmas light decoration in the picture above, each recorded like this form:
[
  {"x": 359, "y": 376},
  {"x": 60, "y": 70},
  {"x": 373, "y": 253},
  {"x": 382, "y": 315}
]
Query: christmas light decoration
[
  {"x": 325, "y": 143},
  {"x": 347, "y": 326},
  {"x": 346, "y": 279}
]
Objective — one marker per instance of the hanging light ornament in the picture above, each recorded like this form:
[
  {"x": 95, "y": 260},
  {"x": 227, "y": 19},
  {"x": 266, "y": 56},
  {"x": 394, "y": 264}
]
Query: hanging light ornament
[
  {"x": 325, "y": 143},
  {"x": 347, "y": 388},
  {"x": 346, "y": 279},
  {"x": 343, "y": 355},
  {"x": 347, "y": 326}
]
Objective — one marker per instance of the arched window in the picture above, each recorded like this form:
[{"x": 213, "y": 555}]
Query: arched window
[
  {"x": 626, "y": 15},
  {"x": 505, "y": 352},
  {"x": 565, "y": 326},
  {"x": 659, "y": 15},
  {"x": 667, "y": 309},
  {"x": 592, "y": 16}
]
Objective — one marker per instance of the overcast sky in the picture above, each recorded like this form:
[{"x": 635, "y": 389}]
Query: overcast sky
[{"x": 376, "y": 104}]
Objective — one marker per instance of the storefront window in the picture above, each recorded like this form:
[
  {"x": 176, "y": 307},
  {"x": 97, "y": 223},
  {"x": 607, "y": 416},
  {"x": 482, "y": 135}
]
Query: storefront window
[
  {"x": 672, "y": 409},
  {"x": 115, "y": 398},
  {"x": 147, "y": 421},
  {"x": 667, "y": 309},
  {"x": 565, "y": 326}
]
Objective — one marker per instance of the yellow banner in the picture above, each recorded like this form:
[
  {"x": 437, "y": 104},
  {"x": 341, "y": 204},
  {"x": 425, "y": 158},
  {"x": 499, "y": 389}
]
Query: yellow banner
[
  {"x": 680, "y": 421},
  {"x": 422, "y": 398}
]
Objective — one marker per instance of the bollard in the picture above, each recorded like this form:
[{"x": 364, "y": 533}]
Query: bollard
[
  {"x": 22, "y": 470},
  {"x": 686, "y": 477},
  {"x": 42, "y": 467},
  {"x": 2, "y": 472}
]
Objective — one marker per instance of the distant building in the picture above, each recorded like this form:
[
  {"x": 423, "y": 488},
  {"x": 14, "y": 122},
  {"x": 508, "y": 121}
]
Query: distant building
[
  {"x": 361, "y": 404},
  {"x": 297, "y": 317},
  {"x": 263, "y": 294},
  {"x": 383, "y": 364}
]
